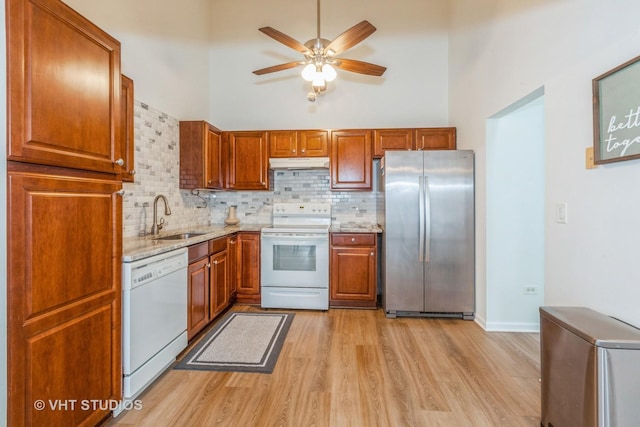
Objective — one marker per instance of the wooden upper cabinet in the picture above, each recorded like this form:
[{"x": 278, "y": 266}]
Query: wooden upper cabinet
[
  {"x": 313, "y": 143},
  {"x": 63, "y": 88},
  {"x": 202, "y": 156},
  {"x": 214, "y": 158},
  {"x": 392, "y": 139},
  {"x": 302, "y": 143},
  {"x": 248, "y": 160},
  {"x": 126, "y": 132},
  {"x": 436, "y": 139},
  {"x": 351, "y": 160},
  {"x": 283, "y": 143},
  {"x": 413, "y": 139}
]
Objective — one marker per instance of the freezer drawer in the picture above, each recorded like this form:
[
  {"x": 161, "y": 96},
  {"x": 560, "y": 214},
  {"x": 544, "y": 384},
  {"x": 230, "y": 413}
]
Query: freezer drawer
[{"x": 590, "y": 369}]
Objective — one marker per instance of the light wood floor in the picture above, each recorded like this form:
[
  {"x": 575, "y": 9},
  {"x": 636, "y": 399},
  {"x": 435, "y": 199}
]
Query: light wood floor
[{"x": 358, "y": 368}]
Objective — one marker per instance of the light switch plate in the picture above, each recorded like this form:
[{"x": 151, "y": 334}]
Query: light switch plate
[{"x": 561, "y": 213}]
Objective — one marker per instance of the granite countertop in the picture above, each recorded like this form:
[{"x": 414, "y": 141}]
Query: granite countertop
[
  {"x": 352, "y": 227},
  {"x": 135, "y": 248}
]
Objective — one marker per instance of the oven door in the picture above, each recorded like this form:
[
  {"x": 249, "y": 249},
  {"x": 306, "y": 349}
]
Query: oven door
[{"x": 290, "y": 260}]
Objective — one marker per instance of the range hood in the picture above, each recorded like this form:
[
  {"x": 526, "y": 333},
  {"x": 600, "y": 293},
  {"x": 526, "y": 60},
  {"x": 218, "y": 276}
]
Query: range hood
[{"x": 299, "y": 163}]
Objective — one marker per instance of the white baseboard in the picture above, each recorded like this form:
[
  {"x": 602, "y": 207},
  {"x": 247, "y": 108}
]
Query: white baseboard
[{"x": 512, "y": 327}]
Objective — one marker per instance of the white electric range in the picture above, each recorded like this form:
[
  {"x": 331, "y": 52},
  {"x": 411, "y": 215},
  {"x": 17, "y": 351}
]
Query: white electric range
[{"x": 295, "y": 257}]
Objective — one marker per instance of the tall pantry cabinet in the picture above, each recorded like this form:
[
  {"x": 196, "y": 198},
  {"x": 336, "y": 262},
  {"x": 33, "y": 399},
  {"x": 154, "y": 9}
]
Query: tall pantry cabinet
[{"x": 64, "y": 216}]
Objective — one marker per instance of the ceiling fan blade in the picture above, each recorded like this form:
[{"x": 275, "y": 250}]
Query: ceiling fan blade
[
  {"x": 351, "y": 37},
  {"x": 279, "y": 67},
  {"x": 360, "y": 67},
  {"x": 285, "y": 39}
]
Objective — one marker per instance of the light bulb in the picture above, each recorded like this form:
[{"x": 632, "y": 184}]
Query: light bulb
[
  {"x": 318, "y": 80},
  {"x": 309, "y": 72},
  {"x": 329, "y": 72}
]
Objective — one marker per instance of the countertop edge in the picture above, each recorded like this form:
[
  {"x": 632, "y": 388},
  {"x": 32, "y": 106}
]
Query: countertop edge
[{"x": 135, "y": 248}]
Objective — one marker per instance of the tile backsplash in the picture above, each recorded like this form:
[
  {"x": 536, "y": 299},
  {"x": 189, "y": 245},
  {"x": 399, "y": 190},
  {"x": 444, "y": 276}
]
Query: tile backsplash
[{"x": 157, "y": 165}]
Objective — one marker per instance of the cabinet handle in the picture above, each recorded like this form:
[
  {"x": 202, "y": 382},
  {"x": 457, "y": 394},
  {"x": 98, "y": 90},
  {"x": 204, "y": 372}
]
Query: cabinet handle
[
  {"x": 132, "y": 172},
  {"x": 119, "y": 162},
  {"x": 208, "y": 265},
  {"x": 120, "y": 192},
  {"x": 293, "y": 151},
  {"x": 353, "y": 239},
  {"x": 303, "y": 150},
  {"x": 215, "y": 262},
  {"x": 372, "y": 254}
]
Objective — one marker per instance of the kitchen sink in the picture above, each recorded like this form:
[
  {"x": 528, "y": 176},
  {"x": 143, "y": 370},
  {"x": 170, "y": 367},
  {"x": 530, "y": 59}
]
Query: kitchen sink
[{"x": 181, "y": 236}]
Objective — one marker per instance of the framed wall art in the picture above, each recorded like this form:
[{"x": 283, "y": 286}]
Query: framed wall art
[{"x": 616, "y": 114}]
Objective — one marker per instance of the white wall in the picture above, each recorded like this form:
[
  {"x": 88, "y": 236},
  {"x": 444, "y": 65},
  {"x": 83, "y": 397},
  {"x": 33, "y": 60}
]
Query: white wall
[
  {"x": 501, "y": 50},
  {"x": 411, "y": 41},
  {"x": 164, "y": 45}
]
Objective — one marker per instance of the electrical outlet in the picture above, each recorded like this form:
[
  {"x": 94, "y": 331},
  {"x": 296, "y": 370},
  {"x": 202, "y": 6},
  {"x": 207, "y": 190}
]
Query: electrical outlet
[{"x": 530, "y": 290}]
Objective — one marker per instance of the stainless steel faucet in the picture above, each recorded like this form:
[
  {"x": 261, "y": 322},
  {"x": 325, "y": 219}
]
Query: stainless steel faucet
[{"x": 157, "y": 226}]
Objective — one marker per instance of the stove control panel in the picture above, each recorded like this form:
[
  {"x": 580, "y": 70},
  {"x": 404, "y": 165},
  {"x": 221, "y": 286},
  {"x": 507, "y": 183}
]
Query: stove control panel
[{"x": 311, "y": 209}]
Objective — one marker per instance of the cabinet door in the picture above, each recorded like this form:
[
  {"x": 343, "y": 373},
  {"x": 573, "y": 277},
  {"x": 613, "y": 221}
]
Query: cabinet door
[
  {"x": 392, "y": 139},
  {"x": 233, "y": 267},
  {"x": 283, "y": 143},
  {"x": 63, "y": 292},
  {"x": 64, "y": 88},
  {"x": 351, "y": 160},
  {"x": 248, "y": 266},
  {"x": 313, "y": 143},
  {"x": 248, "y": 160},
  {"x": 126, "y": 132},
  {"x": 213, "y": 159},
  {"x": 353, "y": 276},
  {"x": 218, "y": 284},
  {"x": 202, "y": 156},
  {"x": 436, "y": 139},
  {"x": 198, "y": 297}
]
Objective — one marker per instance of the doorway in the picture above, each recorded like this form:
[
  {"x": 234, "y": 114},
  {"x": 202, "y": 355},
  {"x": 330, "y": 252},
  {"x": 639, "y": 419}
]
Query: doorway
[{"x": 515, "y": 215}]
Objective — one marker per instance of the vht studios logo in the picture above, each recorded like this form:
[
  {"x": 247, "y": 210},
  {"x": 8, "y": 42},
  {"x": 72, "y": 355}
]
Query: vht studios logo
[{"x": 86, "y": 405}]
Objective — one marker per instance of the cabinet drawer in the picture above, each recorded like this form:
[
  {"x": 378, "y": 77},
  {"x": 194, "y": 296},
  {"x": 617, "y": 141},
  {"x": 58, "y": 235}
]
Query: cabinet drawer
[
  {"x": 353, "y": 239},
  {"x": 217, "y": 245},
  {"x": 198, "y": 251}
]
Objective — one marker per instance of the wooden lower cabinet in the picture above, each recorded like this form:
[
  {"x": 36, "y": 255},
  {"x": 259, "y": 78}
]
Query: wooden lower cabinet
[
  {"x": 198, "y": 297},
  {"x": 233, "y": 269},
  {"x": 207, "y": 284},
  {"x": 353, "y": 270},
  {"x": 63, "y": 294},
  {"x": 218, "y": 283},
  {"x": 248, "y": 268}
]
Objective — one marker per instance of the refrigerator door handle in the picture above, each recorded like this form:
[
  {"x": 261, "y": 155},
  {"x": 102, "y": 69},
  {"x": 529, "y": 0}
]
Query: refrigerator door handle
[
  {"x": 427, "y": 220},
  {"x": 421, "y": 215}
]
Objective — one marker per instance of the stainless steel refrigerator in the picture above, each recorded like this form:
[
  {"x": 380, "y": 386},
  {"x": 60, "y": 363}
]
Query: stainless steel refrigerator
[{"x": 427, "y": 214}]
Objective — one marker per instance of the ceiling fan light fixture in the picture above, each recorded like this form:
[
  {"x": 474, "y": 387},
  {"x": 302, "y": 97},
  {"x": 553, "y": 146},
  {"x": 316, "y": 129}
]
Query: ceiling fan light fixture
[
  {"x": 319, "y": 61},
  {"x": 309, "y": 72},
  {"x": 329, "y": 73}
]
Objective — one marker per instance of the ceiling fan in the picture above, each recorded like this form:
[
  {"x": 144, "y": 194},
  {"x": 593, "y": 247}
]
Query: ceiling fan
[{"x": 320, "y": 55}]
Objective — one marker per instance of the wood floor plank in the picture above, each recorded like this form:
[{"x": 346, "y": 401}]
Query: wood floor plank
[{"x": 346, "y": 367}]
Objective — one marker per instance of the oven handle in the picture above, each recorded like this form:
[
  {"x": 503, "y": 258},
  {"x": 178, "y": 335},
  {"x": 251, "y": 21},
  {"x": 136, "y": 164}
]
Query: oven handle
[{"x": 275, "y": 239}]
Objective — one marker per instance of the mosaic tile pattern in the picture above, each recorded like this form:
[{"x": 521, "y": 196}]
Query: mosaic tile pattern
[{"x": 157, "y": 158}]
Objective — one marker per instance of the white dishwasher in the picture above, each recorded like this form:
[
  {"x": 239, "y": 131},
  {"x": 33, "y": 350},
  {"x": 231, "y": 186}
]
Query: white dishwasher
[{"x": 154, "y": 317}]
